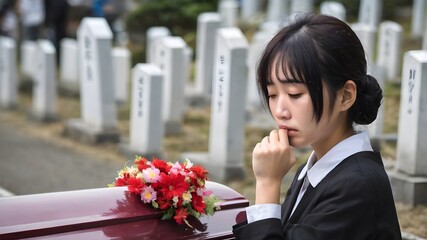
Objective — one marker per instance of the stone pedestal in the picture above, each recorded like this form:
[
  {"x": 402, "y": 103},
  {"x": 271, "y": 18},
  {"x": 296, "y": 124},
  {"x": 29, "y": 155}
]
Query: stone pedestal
[{"x": 85, "y": 133}]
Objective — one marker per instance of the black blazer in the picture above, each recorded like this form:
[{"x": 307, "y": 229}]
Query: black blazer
[{"x": 354, "y": 201}]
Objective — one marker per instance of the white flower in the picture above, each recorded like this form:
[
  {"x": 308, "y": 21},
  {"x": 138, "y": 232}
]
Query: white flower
[{"x": 151, "y": 175}]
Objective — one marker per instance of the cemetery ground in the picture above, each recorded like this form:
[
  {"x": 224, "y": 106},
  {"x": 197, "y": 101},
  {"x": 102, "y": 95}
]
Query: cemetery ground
[{"x": 194, "y": 137}]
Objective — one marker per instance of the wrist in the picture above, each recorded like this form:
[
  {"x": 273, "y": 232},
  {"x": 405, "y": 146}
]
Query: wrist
[{"x": 267, "y": 191}]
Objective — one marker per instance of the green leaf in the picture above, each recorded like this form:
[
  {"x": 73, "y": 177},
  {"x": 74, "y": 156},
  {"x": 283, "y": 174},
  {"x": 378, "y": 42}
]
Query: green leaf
[{"x": 168, "y": 214}]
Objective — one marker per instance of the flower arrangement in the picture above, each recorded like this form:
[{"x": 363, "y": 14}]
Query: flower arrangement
[{"x": 178, "y": 189}]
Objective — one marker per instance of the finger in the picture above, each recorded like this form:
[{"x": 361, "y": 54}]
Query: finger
[
  {"x": 266, "y": 140},
  {"x": 283, "y": 136},
  {"x": 274, "y": 136}
]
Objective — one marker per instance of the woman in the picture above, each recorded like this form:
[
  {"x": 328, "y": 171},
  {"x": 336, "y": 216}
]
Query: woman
[{"x": 312, "y": 76}]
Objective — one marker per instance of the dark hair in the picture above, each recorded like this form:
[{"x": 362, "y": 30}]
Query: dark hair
[{"x": 316, "y": 49}]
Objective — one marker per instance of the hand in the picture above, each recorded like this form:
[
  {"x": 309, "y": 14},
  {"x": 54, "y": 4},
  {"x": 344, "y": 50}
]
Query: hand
[{"x": 272, "y": 158}]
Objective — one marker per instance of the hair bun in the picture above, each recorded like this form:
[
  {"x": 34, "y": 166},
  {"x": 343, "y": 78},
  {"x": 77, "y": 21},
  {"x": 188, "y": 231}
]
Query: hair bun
[{"x": 368, "y": 101}]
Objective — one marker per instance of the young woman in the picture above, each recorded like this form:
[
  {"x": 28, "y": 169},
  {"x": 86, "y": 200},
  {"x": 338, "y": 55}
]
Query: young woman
[{"x": 312, "y": 76}]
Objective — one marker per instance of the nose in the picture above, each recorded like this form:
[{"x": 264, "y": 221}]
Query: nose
[{"x": 281, "y": 110}]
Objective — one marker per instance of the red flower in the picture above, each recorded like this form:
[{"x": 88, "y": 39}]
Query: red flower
[
  {"x": 161, "y": 165},
  {"x": 180, "y": 215},
  {"x": 121, "y": 182},
  {"x": 197, "y": 203},
  {"x": 141, "y": 162},
  {"x": 135, "y": 185},
  {"x": 199, "y": 171},
  {"x": 172, "y": 185}
]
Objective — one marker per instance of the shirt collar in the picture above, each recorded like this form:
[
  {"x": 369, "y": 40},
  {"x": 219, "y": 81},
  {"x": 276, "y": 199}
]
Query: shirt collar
[{"x": 316, "y": 172}]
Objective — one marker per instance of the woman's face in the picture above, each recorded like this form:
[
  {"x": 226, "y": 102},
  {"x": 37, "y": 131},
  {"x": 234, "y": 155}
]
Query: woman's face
[{"x": 291, "y": 106}]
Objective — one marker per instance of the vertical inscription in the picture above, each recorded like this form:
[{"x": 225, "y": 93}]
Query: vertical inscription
[
  {"x": 221, "y": 77},
  {"x": 140, "y": 88},
  {"x": 88, "y": 57},
  {"x": 411, "y": 85},
  {"x": 387, "y": 43}
]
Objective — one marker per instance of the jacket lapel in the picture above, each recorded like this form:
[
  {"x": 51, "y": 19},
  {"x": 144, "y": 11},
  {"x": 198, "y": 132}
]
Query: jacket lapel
[
  {"x": 305, "y": 201},
  {"x": 290, "y": 200}
]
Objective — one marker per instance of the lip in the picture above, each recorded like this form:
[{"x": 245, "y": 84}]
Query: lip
[{"x": 291, "y": 131}]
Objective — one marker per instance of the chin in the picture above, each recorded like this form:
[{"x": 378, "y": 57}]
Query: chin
[{"x": 297, "y": 144}]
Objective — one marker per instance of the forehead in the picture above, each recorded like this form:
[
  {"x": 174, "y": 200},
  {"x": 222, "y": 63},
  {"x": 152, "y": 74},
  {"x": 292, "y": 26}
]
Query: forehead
[{"x": 280, "y": 70}]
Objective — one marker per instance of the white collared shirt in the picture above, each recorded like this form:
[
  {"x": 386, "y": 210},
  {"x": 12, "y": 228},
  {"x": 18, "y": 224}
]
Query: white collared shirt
[{"x": 314, "y": 173}]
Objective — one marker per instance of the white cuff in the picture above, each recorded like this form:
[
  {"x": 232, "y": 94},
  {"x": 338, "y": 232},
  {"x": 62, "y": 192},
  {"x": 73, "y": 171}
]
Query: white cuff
[{"x": 263, "y": 211}]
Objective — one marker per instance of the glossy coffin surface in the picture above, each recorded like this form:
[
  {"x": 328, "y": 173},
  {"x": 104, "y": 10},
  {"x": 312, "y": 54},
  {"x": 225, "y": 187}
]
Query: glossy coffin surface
[{"x": 110, "y": 213}]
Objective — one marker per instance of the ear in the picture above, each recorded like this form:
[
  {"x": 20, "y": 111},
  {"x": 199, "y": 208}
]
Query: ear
[{"x": 348, "y": 94}]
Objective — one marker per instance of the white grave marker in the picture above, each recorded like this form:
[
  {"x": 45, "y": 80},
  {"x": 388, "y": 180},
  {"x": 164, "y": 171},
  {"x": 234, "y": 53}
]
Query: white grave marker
[
  {"x": 411, "y": 148},
  {"x": 277, "y": 10},
  {"x": 226, "y": 135},
  {"x": 28, "y": 58},
  {"x": 172, "y": 57},
  {"x": 8, "y": 71},
  {"x": 98, "y": 108},
  {"x": 366, "y": 34},
  {"x": 69, "y": 62},
  {"x": 257, "y": 45},
  {"x": 425, "y": 38},
  {"x": 419, "y": 10},
  {"x": 96, "y": 75},
  {"x": 121, "y": 69},
  {"x": 334, "y": 9},
  {"x": 302, "y": 6},
  {"x": 229, "y": 11},
  {"x": 370, "y": 12},
  {"x": 409, "y": 181},
  {"x": 153, "y": 35},
  {"x": 44, "y": 88},
  {"x": 390, "y": 41},
  {"x": 207, "y": 25},
  {"x": 249, "y": 8},
  {"x": 146, "y": 133}
]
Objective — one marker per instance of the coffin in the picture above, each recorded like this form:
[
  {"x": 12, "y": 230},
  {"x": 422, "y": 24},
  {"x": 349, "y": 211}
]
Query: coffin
[{"x": 110, "y": 213}]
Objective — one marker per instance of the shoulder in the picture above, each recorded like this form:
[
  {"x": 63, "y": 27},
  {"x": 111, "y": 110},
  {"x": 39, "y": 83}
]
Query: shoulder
[{"x": 362, "y": 173}]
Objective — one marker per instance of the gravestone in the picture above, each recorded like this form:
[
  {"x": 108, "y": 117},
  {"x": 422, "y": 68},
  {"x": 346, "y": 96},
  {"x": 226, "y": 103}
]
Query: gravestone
[
  {"x": 334, "y": 9},
  {"x": 98, "y": 109},
  {"x": 226, "y": 135},
  {"x": 302, "y": 6},
  {"x": 424, "y": 46},
  {"x": 44, "y": 88},
  {"x": 258, "y": 43},
  {"x": 229, "y": 12},
  {"x": 145, "y": 132},
  {"x": 153, "y": 35},
  {"x": 256, "y": 115},
  {"x": 172, "y": 57},
  {"x": 121, "y": 68},
  {"x": 409, "y": 180},
  {"x": 370, "y": 12},
  {"x": 207, "y": 25},
  {"x": 389, "y": 45},
  {"x": 8, "y": 71},
  {"x": 419, "y": 9},
  {"x": 28, "y": 58},
  {"x": 69, "y": 67},
  {"x": 277, "y": 10},
  {"x": 366, "y": 34},
  {"x": 249, "y": 9}
]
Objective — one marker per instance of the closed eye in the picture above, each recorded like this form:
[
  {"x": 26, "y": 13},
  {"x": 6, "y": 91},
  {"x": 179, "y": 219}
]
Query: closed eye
[
  {"x": 295, "y": 96},
  {"x": 272, "y": 96}
]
